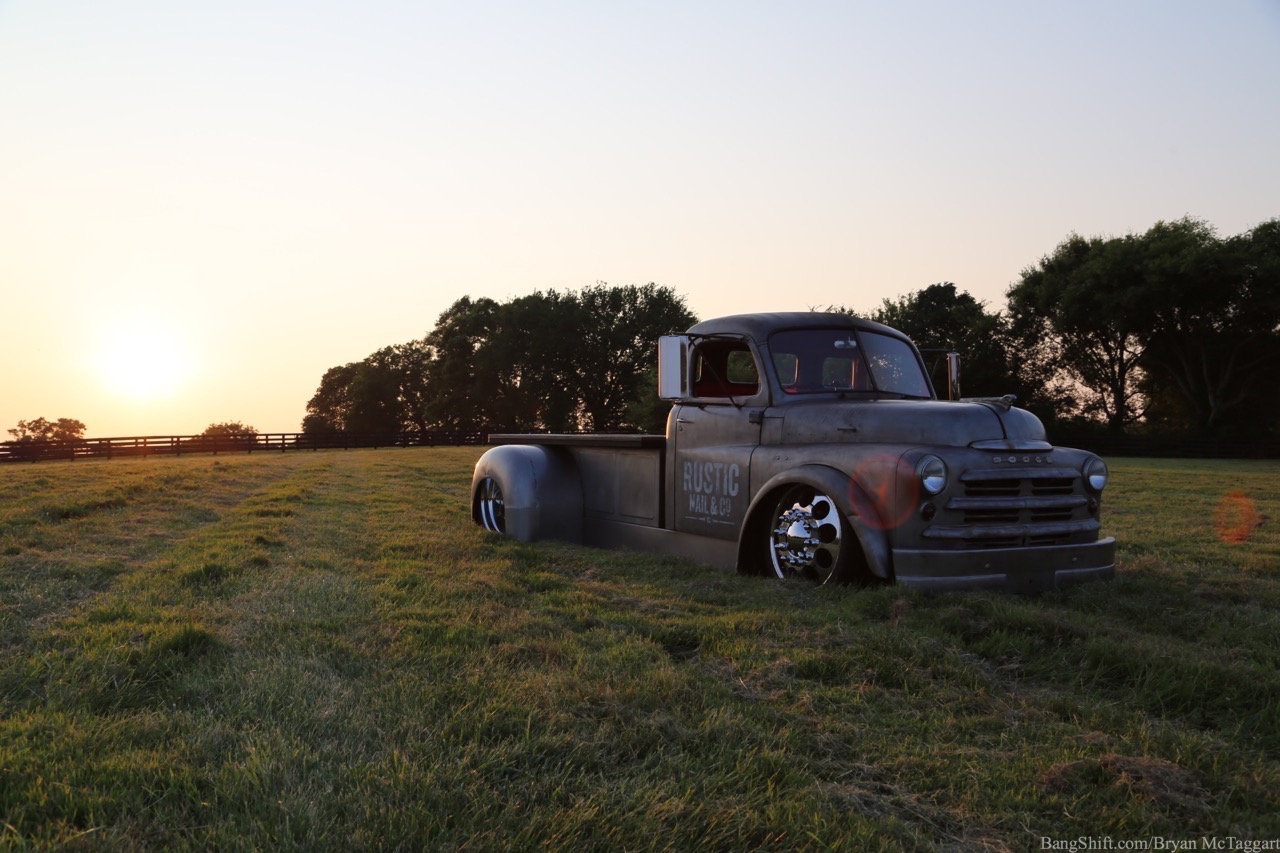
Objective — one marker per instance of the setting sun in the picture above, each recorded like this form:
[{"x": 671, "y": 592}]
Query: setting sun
[{"x": 142, "y": 357}]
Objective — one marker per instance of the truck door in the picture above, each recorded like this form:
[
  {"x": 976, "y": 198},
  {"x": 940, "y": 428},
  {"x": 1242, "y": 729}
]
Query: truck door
[{"x": 715, "y": 434}]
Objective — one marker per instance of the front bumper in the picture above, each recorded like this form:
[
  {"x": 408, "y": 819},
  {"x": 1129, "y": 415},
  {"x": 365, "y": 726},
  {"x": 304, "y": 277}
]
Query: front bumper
[{"x": 1037, "y": 569}]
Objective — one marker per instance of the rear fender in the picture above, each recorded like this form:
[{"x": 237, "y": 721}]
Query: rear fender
[
  {"x": 853, "y": 502},
  {"x": 541, "y": 491}
]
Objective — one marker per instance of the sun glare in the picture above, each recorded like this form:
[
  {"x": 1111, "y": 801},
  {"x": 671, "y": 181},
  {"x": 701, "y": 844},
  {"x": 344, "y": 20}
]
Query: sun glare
[{"x": 143, "y": 358}]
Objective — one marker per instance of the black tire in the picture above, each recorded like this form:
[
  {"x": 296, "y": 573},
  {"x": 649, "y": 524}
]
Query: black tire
[{"x": 808, "y": 537}]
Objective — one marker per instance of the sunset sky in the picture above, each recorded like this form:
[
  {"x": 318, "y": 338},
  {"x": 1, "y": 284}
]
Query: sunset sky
[{"x": 205, "y": 206}]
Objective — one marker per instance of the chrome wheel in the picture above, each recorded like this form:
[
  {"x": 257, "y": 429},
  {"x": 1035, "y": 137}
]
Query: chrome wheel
[
  {"x": 806, "y": 536},
  {"x": 491, "y": 512}
]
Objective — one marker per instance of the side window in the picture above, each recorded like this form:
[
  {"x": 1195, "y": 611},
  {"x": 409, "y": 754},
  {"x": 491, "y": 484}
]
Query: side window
[
  {"x": 725, "y": 369},
  {"x": 741, "y": 368},
  {"x": 787, "y": 366}
]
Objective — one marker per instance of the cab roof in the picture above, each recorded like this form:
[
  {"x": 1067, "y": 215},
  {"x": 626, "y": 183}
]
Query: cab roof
[{"x": 758, "y": 327}]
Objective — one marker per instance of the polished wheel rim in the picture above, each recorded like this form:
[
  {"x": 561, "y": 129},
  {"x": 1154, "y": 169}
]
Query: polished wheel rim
[
  {"x": 492, "y": 512},
  {"x": 806, "y": 536}
]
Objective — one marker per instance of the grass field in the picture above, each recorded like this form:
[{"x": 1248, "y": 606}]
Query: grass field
[{"x": 319, "y": 651}]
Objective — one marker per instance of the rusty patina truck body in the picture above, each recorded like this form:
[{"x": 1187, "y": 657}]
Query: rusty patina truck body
[{"x": 814, "y": 445}]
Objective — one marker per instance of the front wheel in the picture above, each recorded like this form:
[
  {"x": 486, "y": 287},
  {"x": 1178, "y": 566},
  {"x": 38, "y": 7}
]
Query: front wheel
[{"x": 809, "y": 538}]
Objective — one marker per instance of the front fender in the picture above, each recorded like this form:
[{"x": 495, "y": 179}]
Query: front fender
[{"x": 853, "y": 502}]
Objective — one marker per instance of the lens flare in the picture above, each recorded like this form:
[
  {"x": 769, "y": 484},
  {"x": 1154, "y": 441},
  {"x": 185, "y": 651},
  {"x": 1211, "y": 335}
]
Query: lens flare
[
  {"x": 1235, "y": 518},
  {"x": 884, "y": 491}
]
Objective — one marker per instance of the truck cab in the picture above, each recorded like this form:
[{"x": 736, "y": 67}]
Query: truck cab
[{"x": 813, "y": 445}]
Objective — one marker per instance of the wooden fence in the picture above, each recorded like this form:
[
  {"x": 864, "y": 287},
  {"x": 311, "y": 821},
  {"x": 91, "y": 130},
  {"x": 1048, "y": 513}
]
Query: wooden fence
[
  {"x": 177, "y": 445},
  {"x": 278, "y": 442}
]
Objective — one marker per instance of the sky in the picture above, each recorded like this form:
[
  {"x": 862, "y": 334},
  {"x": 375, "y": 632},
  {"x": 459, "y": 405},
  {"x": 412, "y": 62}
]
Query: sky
[{"x": 203, "y": 207}]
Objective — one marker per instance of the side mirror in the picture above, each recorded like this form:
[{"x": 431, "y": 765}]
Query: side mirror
[
  {"x": 673, "y": 367},
  {"x": 953, "y": 376}
]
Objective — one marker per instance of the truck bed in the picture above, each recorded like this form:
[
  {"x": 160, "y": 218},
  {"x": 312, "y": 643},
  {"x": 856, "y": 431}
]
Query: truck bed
[
  {"x": 616, "y": 442},
  {"x": 622, "y": 476}
]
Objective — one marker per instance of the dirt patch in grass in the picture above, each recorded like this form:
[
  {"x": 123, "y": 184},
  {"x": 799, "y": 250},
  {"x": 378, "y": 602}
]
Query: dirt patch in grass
[{"x": 1155, "y": 781}]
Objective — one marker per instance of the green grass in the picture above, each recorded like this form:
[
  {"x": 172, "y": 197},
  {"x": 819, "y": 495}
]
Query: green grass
[{"x": 320, "y": 651}]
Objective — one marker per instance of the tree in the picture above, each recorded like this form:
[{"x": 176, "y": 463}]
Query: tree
[
  {"x": 328, "y": 408},
  {"x": 940, "y": 317},
  {"x": 63, "y": 430},
  {"x": 1175, "y": 327},
  {"x": 647, "y": 412},
  {"x": 374, "y": 395},
  {"x": 229, "y": 429},
  {"x": 539, "y": 349},
  {"x": 554, "y": 361},
  {"x": 229, "y": 435},
  {"x": 549, "y": 360},
  {"x": 463, "y": 382},
  {"x": 1213, "y": 325},
  {"x": 619, "y": 345},
  {"x": 408, "y": 363},
  {"x": 384, "y": 392},
  {"x": 1077, "y": 322}
]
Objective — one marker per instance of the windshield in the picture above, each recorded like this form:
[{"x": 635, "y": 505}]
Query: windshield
[{"x": 810, "y": 361}]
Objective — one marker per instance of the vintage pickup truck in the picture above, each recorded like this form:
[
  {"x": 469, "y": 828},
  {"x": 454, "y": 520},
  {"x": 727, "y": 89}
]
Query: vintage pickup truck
[{"x": 813, "y": 445}]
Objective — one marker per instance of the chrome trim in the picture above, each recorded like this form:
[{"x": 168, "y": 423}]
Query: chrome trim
[{"x": 1012, "y": 444}]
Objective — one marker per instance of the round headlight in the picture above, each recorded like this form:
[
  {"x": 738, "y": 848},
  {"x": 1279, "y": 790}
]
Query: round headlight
[
  {"x": 1095, "y": 474},
  {"x": 932, "y": 472}
]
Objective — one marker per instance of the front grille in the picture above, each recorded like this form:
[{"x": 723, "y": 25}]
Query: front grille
[
  {"x": 1014, "y": 508},
  {"x": 1052, "y": 485},
  {"x": 1063, "y": 513},
  {"x": 1017, "y": 515},
  {"x": 993, "y": 488},
  {"x": 993, "y": 515},
  {"x": 1012, "y": 482}
]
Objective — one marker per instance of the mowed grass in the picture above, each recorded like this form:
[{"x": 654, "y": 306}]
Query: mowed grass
[{"x": 320, "y": 651}]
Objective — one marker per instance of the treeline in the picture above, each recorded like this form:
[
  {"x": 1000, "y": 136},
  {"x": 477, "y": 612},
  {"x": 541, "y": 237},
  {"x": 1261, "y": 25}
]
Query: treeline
[
  {"x": 583, "y": 360},
  {"x": 1175, "y": 332},
  {"x": 39, "y": 430}
]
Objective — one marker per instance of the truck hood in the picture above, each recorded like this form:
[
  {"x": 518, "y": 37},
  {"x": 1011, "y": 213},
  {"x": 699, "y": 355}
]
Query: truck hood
[{"x": 928, "y": 422}]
